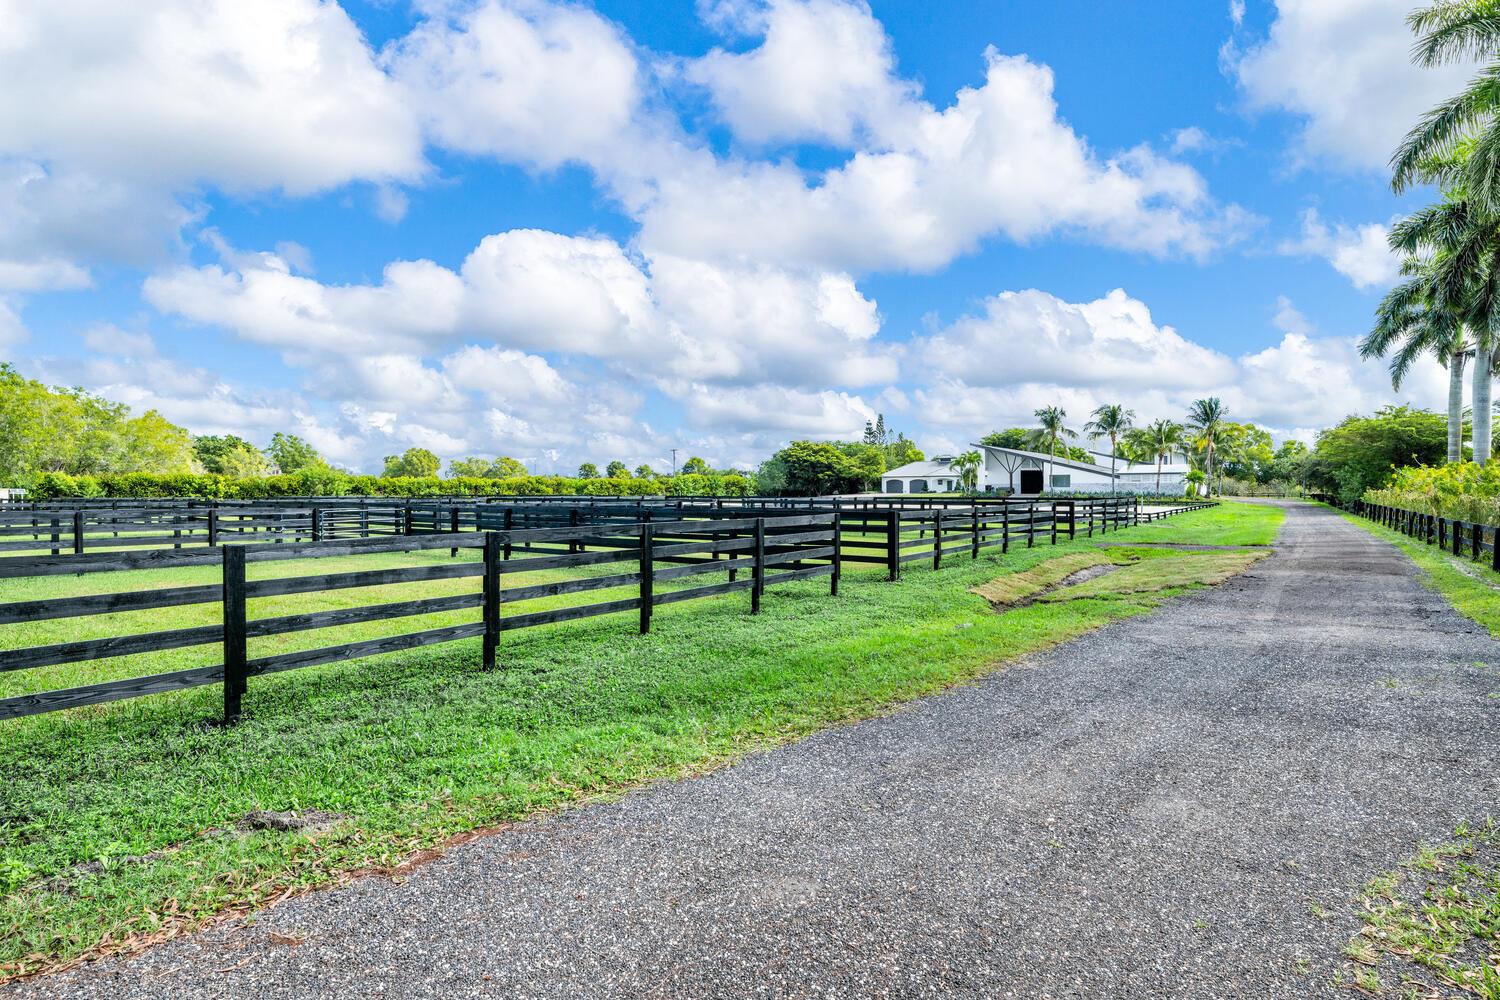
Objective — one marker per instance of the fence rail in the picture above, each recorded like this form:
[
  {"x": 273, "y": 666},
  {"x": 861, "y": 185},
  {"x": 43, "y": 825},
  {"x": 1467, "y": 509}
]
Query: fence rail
[
  {"x": 659, "y": 554},
  {"x": 768, "y": 551},
  {"x": 1461, "y": 538}
]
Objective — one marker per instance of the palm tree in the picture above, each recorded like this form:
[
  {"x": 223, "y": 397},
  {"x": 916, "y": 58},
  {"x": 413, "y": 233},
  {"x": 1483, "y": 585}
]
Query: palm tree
[
  {"x": 1409, "y": 322},
  {"x": 1459, "y": 273},
  {"x": 1110, "y": 420},
  {"x": 1457, "y": 143},
  {"x": 1158, "y": 441},
  {"x": 1206, "y": 418},
  {"x": 968, "y": 465},
  {"x": 1051, "y": 432}
]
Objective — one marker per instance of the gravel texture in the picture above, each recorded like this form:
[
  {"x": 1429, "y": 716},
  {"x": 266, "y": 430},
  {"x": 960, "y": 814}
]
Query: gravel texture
[{"x": 1154, "y": 810}]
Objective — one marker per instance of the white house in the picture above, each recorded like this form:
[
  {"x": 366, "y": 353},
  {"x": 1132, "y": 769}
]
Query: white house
[
  {"x": 1012, "y": 470},
  {"x": 935, "y": 475}
]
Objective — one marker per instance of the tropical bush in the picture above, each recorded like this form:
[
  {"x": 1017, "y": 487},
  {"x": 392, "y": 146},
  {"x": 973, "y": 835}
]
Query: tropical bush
[
  {"x": 323, "y": 481},
  {"x": 1462, "y": 490}
]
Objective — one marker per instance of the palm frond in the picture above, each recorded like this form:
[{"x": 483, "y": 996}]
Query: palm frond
[{"x": 1454, "y": 30}]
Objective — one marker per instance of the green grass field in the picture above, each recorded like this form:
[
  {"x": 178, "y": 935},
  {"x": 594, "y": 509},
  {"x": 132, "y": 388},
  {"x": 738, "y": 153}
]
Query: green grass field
[{"x": 118, "y": 822}]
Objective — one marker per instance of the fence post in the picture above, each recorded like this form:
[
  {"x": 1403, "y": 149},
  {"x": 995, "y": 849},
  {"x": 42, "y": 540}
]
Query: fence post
[
  {"x": 1004, "y": 526},
  {"x": 317, "y": 526},
  {"x": 893, "y": 544},
  {"x": 1072, "y": 519},
  {"x": 236, "y": 678},
  {"x": 1054, "y": 522},
  {"x": 492, "y": 563},
  {"x": 937, "y": 538},
  {"x": 1474, "y": 540},
  {"x": 1495, "y": 550},
  {"x": 758, "y": 570},
  {"x": 1135, "y": 517},
  {"x": 453, "y": 527},
  {"x": 56, "y": 537},
  {"x": 838, "y": 552},
  {"x": 647, "y": 579},
  {"x": 78, "y": 532},
  {"x": 975, "y": 512},
  {"x": 213, "y": 528}
]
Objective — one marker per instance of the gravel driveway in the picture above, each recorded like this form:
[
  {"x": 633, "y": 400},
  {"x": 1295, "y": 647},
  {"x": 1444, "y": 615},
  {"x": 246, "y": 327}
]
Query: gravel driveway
[{"x": 1154, "y": 810}]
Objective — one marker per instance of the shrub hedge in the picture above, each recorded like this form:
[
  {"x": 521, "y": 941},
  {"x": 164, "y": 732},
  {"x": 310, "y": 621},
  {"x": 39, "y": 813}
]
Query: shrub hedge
[
  {"x": 326, "y": 482},
  {"x": 1461, "y": 490}
]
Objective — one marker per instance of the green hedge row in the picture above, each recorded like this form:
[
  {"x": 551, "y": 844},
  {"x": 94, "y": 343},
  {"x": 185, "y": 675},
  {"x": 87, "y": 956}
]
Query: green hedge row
[{"x": 324, "y": 482}]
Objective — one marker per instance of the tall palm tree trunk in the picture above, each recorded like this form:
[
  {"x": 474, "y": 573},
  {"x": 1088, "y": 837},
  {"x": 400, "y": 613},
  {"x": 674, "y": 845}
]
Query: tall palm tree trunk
[
  {"x": 1158, "y": 474},
  {"x": 1483, "y": 360},
  {"x": 1112, "y": 480},
  {"x": 1456, "y": 407}
]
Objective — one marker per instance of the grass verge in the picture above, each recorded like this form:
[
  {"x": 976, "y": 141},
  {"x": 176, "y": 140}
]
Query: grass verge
[{"x": 123, "y": 824}]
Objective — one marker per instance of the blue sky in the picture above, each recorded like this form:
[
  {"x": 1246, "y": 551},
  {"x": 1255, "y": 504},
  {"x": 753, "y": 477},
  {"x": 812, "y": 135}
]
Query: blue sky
[{"x": 571, "y": 232}]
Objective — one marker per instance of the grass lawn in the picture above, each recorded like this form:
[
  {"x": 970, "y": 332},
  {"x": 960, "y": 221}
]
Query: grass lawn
[{"x": 121, "y": 823}]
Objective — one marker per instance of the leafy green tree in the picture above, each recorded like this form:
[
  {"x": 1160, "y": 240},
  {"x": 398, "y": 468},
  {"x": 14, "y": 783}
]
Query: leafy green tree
[
  {"x": 413, "y": 462},
  {"x": 477, "y": 468},
  {"x": 816, "y": 468},
  {"x": 1289, "y": 464},
  {"x": 900, "y": 451},
  {"x": 210, "y": 450},
  {"x": 1245, "y": 452},
  {"x": 616, "y": 470},
  {"x": 1015, "y": 438},
  {"x": 644, "y": 472},
  {"x": 1361, "y": 453},
  {"x": 1111, "y": 420},
  {"x": 695, "y": 466},
  {"x": 506, "y": 467},
  {"x": 292, "y": 454},
  {"x": 243, "y": 463},
  {"x": 588, "y": 470}
]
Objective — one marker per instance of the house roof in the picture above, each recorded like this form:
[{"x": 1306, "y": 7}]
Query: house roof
[
  {"x": 921, "y": 469},
  {"x": 1061, "y": 462}
]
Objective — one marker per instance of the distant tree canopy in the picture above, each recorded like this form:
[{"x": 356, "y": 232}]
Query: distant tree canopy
[
  {"x": 695, "y": 466},
  {"x": 503, "y": 467},
  {"x": 55, "y": 429},
  {"x": 292, "y": 454},
  {"x": 644, "y": 472},
  {"x": 588, "y": 470},
  {"x": 616, "y": 470},
  {"x": 414, "y": 462},
  {"x": 1362, "y": 453}
]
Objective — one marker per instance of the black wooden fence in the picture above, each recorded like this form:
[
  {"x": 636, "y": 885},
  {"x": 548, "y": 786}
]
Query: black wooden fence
[
  {"x": 768, "y": 551},
  {"x": 1462, "y": 538},
  {"x": 753, "y": 546},
  {"x": 26, "y": 534}
]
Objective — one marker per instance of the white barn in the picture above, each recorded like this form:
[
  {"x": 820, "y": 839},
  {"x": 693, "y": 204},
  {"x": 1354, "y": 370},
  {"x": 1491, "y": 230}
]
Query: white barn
[{"x": 1024, "y": 473}]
